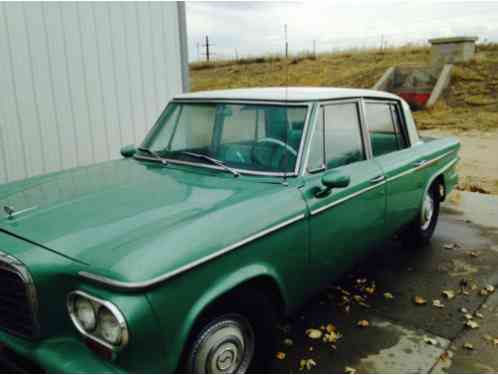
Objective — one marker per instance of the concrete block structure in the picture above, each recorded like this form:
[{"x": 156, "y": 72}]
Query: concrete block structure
[{"x": 452, "y": 50}]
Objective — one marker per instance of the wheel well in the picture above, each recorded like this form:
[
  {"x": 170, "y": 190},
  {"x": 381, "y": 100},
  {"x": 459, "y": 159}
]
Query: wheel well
[{"x": 264, "y": 284}]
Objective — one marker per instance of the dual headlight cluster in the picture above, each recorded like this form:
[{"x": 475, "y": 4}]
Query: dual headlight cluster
[{"x": 98, "y": 320}]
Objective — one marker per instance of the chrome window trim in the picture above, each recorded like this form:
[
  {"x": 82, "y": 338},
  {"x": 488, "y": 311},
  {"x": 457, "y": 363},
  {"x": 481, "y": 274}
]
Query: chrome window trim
[
  {"x": 14, "y": 265},
  {"x": 111, "y": 307},
  {"x": 297, "y": 167},
  {"x": 318, "y": 106},
  {"x": 137, "y": 285}
]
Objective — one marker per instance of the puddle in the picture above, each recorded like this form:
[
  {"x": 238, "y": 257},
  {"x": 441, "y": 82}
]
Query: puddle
[{"x": 410, "y": 354}]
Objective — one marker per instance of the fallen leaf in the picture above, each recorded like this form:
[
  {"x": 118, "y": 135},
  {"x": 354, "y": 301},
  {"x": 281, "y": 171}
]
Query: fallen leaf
[
  {"x": 468, "y": 316},
  {"x": 288, "y": 342},
  {"x": 365, "y": 305},
  {"x": 490, "y": 288},
  {"x": 472, "y": 324},
  {"x": 468, "y": 346},
  {"x": 450, "y": 294},
  {"x": 450, "y": 246},
  {"x": 358, "y": 298},
  {"x": 474, "y": 254},
  {"x": 495, "y": 341},
  {"x": 363, "y": 323},
  {"x": 280, "y": 356},
  {"x": 419, "y": 300},
  {"x": 437, "y": 303},
  {"x": 349, "y": 370},
  {"x": 330, "y": 328},
  {"x": 330, "y": 337},
  {"x": 464, "y": 310},
  {"x": 488, "y": 338},
  {"x": 307, "y": 364},
  {"x": 388, "y": 295},
  {"x": 429, "y": 340},
  {"x": 370, "y": 290},
  {"x": 313, "y": 333},
  {"x": 361, "y": 281},
  {"x": 478, "y": 315},
  {"x": 483, "y": 292}
]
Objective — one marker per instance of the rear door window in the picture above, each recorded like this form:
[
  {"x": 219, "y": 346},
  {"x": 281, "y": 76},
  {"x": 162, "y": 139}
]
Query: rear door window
[{"x": 383, "y": 124}]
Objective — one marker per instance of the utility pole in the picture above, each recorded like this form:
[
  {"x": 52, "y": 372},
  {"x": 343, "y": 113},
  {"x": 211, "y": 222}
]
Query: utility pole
[
  {"x": 314, "y": 48},
  {"x": 286, "y": 42},
  {"x": 207, "y": 45}
]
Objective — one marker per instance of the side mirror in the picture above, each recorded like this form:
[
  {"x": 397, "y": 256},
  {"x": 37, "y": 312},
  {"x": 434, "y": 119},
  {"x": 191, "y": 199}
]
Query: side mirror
[
  {"x": 128, "y": 151},
  {"x": 335, "y": 179}
]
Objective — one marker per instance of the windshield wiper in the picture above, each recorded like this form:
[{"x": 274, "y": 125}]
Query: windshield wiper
[
  {"x": 154, "y": 154},
  {"x": 212, "y": 160}
]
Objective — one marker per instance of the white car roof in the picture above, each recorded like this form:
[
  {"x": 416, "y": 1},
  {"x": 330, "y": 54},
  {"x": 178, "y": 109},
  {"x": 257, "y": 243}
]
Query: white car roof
[{"x": 292, "y": 94}]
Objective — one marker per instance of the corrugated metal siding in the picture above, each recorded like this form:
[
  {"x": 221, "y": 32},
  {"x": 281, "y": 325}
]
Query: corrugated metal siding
[{"x": 78, "y": 80}]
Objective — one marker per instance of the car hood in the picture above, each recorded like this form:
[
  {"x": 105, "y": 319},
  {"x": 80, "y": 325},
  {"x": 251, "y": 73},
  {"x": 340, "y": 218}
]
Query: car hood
[{"x": 133, "y": 220}]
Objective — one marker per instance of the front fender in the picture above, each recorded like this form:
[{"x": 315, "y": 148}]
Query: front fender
[{"x": 188, "y": 313}]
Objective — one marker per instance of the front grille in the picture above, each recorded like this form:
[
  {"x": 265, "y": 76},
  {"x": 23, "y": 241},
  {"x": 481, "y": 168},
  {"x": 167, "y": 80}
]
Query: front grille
[{"x": 17, "y": 299}]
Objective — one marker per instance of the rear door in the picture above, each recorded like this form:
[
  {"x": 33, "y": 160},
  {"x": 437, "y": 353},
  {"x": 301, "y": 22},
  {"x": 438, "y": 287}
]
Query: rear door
[
  {"x": 398, "y": 161},
  {"x": 346, "y": 221}
]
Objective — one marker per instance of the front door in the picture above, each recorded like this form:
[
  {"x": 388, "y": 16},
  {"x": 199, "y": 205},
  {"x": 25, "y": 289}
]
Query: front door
[{"x": 345, "y": 221}]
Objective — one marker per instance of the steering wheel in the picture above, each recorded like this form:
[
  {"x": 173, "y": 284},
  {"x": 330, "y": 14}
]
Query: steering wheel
[{"x": 276, "y": 146}]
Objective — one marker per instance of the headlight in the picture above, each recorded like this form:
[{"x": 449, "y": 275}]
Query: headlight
[
  {"x": 85, "y": 313},
  {"x": 99, "y": 320}
]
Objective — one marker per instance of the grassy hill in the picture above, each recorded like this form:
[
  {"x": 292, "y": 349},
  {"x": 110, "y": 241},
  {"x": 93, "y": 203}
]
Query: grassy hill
[{"x": 472, "y": 100}]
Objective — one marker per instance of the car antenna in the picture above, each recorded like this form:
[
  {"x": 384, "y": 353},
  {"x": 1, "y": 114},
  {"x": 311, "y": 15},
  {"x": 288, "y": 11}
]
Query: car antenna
[{"x": 286, "y": 160}]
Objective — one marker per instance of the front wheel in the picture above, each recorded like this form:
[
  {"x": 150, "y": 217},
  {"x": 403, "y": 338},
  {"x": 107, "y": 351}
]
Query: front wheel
[
  {"x": 420, "y": 231},
  {"x": 234, "y": 338}
]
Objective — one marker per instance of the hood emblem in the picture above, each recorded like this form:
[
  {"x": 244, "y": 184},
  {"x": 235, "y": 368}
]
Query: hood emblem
[{"x": 11, "y": 212}]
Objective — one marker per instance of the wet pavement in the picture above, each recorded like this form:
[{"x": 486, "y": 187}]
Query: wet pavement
[{"x": 403, "y": 336}]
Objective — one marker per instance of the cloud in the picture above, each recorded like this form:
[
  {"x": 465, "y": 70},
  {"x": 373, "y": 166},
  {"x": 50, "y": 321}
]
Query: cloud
[{"x": 255, "y": 28}]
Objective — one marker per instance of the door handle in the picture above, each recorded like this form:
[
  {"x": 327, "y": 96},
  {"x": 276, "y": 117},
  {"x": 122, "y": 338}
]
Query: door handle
[
  {"x": 419, "y": 163},
  {"x": 377, "y": 179}
]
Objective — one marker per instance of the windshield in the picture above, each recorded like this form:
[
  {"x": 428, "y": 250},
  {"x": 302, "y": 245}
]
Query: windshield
[{"x": 261, "y": 138}]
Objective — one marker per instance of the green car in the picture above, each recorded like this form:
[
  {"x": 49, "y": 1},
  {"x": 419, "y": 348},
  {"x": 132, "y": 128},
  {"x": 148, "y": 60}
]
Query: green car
[{"x": 237, "y": 207}]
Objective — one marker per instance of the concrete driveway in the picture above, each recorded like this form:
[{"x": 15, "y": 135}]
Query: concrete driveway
[{"x": 403, "y": 336}]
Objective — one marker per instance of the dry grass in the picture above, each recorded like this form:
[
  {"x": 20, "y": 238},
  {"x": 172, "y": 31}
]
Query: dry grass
[{"x": 355, "y": 68}]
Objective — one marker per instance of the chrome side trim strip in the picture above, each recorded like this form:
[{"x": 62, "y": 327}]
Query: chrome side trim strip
[
  {"x": 137, "y": 285},
  {"x": 347, "y": 197},
  {"x": 425, "y": 165}
]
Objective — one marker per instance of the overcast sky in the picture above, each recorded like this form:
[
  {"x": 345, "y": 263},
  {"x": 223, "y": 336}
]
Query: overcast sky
[{"x": 255, "y": 28}]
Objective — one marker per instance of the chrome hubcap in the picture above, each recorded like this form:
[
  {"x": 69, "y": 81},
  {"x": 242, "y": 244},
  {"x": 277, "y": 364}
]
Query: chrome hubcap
[
  {"x": 427, "y": 211},
  {"x": 225, "y": 347}
]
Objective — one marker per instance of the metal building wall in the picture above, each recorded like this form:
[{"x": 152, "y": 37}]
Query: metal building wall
[{"x": 78, "y": 80}]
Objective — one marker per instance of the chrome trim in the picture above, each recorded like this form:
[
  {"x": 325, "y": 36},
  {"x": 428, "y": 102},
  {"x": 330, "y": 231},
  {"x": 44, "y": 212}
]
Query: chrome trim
[
  {"x": 108, "y": 305},
  {"x": 304, "y": 170},
  {"x": 11, "y": 264},
  {"x": 210, "y": 166},
  {"x": 347, "y": 197},
  {"x": 12, "y": 213},
  {"x": 136, "y": 285},
  {"x": 279, "y": 102},
  {"x": 426, "y": 164}
]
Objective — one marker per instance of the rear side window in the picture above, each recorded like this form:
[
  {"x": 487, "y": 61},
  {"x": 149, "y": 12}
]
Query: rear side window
[{"x": 383, "y": 124}]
